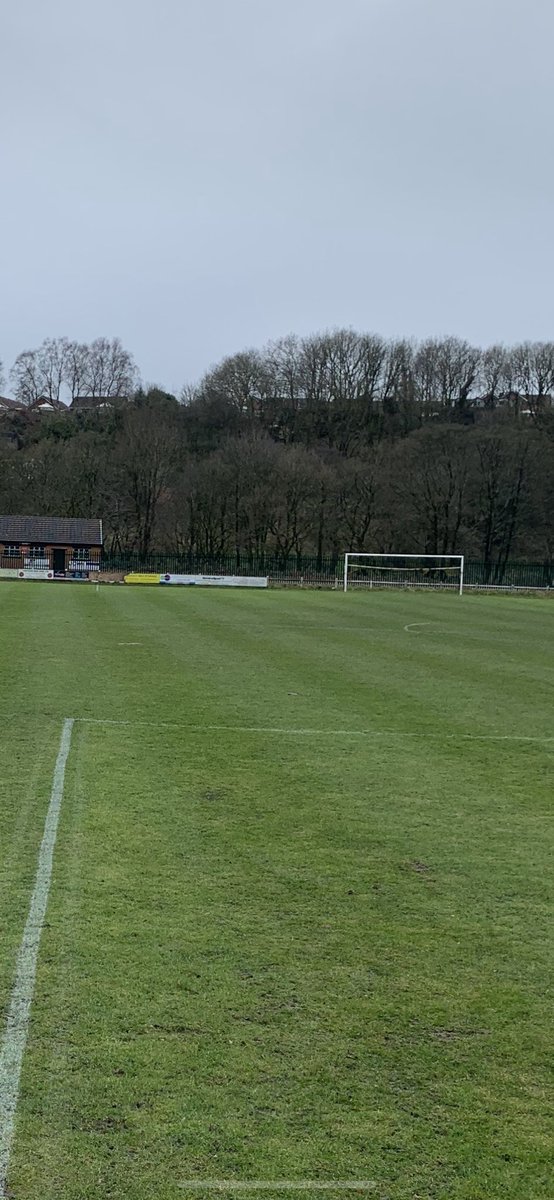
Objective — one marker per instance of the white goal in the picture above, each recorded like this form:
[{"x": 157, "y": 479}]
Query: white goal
[{"x": 439, "y": 571}]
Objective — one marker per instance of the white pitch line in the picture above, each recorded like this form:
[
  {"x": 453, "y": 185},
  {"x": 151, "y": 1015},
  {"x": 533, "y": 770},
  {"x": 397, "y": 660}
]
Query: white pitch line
[
  {"x": 279, "y": 1185},
  {"x": 17, "y": 1023},
  {"x": 416, "y": 625},
  {"x": 279, "y": 729}
]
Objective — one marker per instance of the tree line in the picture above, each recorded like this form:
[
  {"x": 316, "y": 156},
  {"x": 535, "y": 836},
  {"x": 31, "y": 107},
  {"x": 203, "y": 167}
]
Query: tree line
[
  {"x": 309, "y": 446},
  {"x": 61, "y": 369}
]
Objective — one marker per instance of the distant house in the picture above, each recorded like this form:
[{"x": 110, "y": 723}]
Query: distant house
[
  {"x": 53, "y": 547},
  {"x": 82, "y": 403},
  {"x": 7, "y": 405},
  {"x": 47, "y": 404}
]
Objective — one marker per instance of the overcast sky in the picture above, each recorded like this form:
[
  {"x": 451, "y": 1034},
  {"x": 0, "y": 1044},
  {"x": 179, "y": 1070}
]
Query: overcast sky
[{"x": 199, "y": 176}]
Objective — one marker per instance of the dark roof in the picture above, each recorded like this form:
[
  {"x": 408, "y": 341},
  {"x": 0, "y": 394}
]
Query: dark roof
[
  {"x": 75, "y": 531},
  {"x": 7, "y": 402},
  {"x": 48, "y": 403}
]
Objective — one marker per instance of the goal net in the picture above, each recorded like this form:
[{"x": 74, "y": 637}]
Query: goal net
[{"x": 439, "y": 571}]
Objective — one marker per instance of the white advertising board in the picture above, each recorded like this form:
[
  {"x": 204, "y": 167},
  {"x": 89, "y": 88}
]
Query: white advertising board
[
  {"x": 258, "y": 581},
  {"x": 34, "y": 574}
]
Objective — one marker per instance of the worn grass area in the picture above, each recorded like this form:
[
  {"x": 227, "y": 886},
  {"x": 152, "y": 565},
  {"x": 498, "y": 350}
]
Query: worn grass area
[{"x": 324, "y": 953}]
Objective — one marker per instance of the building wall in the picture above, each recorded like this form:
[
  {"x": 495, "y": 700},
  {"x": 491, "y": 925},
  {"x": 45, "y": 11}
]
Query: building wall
[{"x": 22, "y": 560}]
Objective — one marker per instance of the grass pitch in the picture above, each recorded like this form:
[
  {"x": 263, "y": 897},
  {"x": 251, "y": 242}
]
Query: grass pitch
[{"x": 300, "y": 921}]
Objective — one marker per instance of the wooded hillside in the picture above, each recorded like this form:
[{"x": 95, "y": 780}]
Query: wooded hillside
[{"x": 307, "y": 447}]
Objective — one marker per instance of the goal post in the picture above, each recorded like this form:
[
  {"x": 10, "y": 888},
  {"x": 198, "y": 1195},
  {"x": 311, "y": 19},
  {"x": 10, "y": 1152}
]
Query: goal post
[{"x": 437, "y": 571}]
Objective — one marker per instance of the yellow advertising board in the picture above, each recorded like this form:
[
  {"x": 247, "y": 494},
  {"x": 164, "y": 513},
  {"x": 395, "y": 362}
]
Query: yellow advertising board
[{"x": 135, "y": 578}]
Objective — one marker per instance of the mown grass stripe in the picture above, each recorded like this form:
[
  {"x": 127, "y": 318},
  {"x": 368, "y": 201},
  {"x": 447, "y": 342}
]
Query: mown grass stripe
[{"x": 17, "y": 1023}]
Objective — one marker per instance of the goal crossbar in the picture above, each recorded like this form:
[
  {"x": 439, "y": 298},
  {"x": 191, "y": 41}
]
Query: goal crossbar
[{"x": 446, "y": 563}]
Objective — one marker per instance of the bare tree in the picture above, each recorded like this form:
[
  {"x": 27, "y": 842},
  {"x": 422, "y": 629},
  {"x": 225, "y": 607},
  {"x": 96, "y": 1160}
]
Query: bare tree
[
  {"x": 533, "y": 373},
  {"x": 200, "y": 509},
  {"x": 86, "y": 460},
  {"x": 43, "y": 478},
  {"x": 26, "y": 377},
  {"x": 39, "y": 374},
  {"x": 110, "y": 370},
  {"x": 76, "y": 374},
  {"x": 295, "y": 506},
  {"x": 533, "y": 369},
  {"x": 430, "y": 481},
  {"x": 536, "y": 532},
  {"x": 459, "y": 363},
  {"x": 243, "y": 380},
  {"x": 356, "y": 486},
  {"x": 445, "y": 372},
  {"x": 501, "y": 473},
  {"x": 52, "y": 358},
  {"x": 102, "y": 369},
  {"x": 253, "y": 472},
  {"x": 145, "y": 458},
  {"x": 495, "y": 374}
]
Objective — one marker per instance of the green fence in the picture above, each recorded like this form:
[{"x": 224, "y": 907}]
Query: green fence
[
  {"x": 312, "y": 570},
  {"x": 278, "y": 567},
  {"x": 509, "y": 575}
]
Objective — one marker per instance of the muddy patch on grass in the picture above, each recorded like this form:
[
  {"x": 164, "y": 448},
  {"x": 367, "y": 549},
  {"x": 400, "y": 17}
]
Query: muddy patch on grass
[
  {"x": 213, "y": 795},
  {"x": 108, "y": 1124}
]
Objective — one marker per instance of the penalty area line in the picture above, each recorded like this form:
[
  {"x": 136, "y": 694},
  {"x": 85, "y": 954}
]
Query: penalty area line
[
  {"x": 301, "y": 732},
  {"x": 19, "y": 1011}
]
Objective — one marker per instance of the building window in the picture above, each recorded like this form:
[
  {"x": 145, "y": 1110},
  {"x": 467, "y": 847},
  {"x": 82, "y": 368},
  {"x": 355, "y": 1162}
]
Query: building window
[
  {"x": 12, "y": 551},
  {"x": 36, "y": 559},
  {"x": 80, "y": 553}
]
